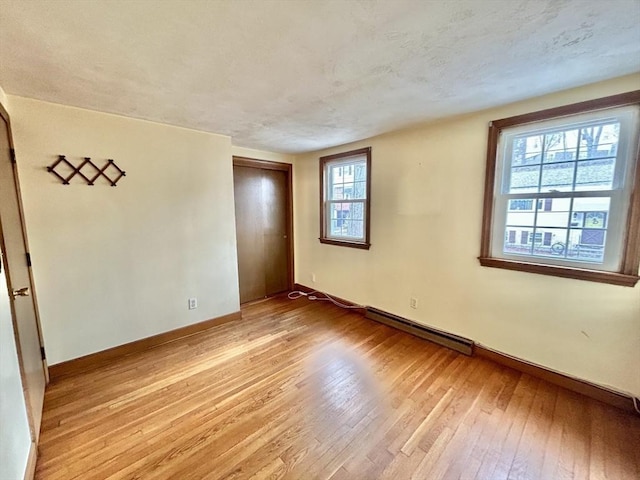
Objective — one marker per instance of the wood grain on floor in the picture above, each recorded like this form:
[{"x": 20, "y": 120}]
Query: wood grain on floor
[{"x": 305, "y": 390}]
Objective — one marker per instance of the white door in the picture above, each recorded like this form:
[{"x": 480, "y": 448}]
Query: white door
[{"x": 16, "y": 263}]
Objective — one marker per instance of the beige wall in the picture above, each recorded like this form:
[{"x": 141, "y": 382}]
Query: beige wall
[
  {"x": 427, "y": 192},
  {"x": 113, "y": 265}
]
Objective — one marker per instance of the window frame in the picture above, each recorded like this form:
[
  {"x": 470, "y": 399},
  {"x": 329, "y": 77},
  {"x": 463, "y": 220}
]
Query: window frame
[
  {"x": 324, "y": 163},
  {"x": 627, "y": 275}
]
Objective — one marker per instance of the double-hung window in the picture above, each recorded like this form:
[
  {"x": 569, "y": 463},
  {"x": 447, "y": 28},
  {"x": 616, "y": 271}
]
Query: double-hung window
[
  {"x": 561, "y": 193},
  {"x": 345, "y": 193}
]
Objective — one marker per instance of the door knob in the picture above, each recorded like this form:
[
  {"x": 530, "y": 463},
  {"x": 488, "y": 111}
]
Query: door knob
[{"x": 21, "y": 292}]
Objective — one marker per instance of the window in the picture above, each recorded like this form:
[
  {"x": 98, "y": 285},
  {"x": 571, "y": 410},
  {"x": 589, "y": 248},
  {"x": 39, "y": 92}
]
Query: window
[
  {"x": 566, "y": 181},
  {"x": 345, "y": 182}
]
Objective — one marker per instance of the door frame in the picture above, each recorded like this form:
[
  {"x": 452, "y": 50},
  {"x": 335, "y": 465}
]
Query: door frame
[
  {"x": 288, "y": 169},
  {"x": 34, "y": 434}
]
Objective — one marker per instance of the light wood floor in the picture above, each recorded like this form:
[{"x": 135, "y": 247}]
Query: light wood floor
[{"x": 304, "y": 390}]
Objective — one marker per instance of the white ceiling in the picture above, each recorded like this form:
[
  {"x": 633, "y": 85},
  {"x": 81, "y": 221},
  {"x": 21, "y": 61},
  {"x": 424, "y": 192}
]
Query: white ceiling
[{"x": 301, "y": 75}]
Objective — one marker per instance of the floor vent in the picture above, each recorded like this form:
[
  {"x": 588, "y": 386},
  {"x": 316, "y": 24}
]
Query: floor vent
[{"x": 459, "y": 344}]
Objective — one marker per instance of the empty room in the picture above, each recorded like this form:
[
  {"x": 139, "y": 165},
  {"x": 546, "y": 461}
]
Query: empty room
[{"x": 320, "y": 239}]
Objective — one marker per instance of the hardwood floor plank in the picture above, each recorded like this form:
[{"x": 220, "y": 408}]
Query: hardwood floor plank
[
  {"x": 529, "y": 455},
  {"x": 552, "y": 449},
  {"x": 305, "y": 390}
]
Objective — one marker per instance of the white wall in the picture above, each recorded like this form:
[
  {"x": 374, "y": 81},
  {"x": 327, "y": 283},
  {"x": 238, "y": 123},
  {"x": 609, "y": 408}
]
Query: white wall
[
  {"x": 15, "y": 438},
  {"x": 427, "y": 193},
  {"x": 116, "y": 264}
]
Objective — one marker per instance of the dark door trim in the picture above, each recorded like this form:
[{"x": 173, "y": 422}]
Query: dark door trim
[{"x": 288, "y": 169}]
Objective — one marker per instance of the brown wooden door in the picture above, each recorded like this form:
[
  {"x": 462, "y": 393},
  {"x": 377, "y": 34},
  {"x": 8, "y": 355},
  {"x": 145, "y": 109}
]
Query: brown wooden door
[
  {"x": 263, "y": 224},
  {"x": 20, "y": 285}
]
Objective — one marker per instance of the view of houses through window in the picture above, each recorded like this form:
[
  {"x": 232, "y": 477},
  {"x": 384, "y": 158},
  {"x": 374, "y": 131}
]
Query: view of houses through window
[
  {"x": 347, "y": 192},
  {"x": 574, "y": 160},
  {"x": 543, "y": 230}
]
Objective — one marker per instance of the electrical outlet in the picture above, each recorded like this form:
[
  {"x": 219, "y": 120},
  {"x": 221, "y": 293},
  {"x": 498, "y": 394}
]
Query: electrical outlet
[
  {"x": 413, "y": 302},
  {"x": 313, "y": 277},
  {"x": 193, "y": 303}
]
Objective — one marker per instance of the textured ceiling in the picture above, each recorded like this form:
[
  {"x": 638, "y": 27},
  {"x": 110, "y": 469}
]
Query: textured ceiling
[{"x": 300, "y": 75}]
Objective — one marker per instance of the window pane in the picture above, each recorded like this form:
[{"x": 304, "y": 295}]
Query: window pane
[
  {"x": 352, "y": 229},
  {"x": 360, "y": 172},
  {"x": 360, "y": 190},
  {"x": 557, "y": 176},
  {"x": 527, "y": 150},
  {"x": 586, "y": 245},
  {"x": 337, "y": 192},
  {"x": 595, "y": 220},
  {"x": 552, "y": 219},
  {"x": 595, "y": 211},
  {"x": 599, "y": 141},
  {"x": 553, "y": 212},
  {"x": 357, "y": 211},
  {"x": 595, "y": 174},
  {"x": 561, "y": 146},
  {"x": 518, "y": 240},
  {"x": 552, "y": 242},
  {"x": 524, "y": 179},
  {"x": 520, "y": 218}
]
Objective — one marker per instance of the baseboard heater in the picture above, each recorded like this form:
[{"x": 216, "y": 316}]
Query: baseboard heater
[{"x": 459, "y": 344}]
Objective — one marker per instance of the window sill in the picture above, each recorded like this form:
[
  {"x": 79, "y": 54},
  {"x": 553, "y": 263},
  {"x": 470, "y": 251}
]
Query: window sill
[
  {"x": 612, "y": 278},
  {"x": 344, "y": 243}
]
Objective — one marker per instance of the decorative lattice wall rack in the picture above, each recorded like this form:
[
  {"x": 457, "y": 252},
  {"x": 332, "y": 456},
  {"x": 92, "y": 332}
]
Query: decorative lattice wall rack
[{"x": 110, "y": 171}]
